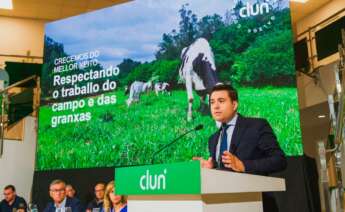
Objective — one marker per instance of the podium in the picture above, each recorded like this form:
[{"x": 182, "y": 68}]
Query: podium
[{"x": 186, "y": 187}]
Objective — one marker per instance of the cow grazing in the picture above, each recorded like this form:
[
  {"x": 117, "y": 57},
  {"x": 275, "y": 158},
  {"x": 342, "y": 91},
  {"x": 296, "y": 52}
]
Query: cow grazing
[
  {"x": 162, "y": 87},
  {"x": 198, "y": 70},
  {"x": 136, "y": 89}
]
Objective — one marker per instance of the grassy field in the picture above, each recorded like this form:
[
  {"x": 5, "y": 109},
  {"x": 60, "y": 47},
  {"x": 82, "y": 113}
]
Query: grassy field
[{"x": 118, "y": 135}]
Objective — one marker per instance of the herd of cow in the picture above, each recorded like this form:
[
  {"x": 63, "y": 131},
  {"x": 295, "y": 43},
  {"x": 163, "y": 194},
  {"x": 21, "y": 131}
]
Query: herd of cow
[
  {"x": 137, "y": 88},
  {"x": 197, "y": 70}
]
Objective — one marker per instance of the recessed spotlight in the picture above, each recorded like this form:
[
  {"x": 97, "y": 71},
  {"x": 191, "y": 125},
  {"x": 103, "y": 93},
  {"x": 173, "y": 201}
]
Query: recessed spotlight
[
  {"x": 6, "y": 4},
  {"x": 322, "y": 116}
]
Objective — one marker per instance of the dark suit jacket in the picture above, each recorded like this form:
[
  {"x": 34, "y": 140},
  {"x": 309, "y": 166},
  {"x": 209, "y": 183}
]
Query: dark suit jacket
[
  {"x": 70, "y": 202},
  {"x": 19, "y": 203},
  {"x": 255, "y": 144}
]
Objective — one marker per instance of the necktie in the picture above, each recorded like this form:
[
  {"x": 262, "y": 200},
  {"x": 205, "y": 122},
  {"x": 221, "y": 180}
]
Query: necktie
[{"x": 223, "y": 143}]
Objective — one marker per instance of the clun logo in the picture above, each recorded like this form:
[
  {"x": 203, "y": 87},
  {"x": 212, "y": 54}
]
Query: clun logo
[
  {"x": 260, "y": 11},
  {"x": 153, "y": 182},
  {"x": 254, "y": 9}
]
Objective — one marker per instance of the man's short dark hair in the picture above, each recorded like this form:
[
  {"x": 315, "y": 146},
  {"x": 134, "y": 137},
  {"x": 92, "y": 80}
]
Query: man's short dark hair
[
  {"x": 10, "y": 187},
  {"x": 224, "y": 87},
  {"x": 100, "y": 183},
  {"x": 70, "y": 185}
]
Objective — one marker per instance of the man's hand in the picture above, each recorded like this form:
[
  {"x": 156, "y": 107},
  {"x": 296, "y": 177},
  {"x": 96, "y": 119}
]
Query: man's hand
[
  {"x": 205, "y": 163},
  {"x": 232, "y": 162}
]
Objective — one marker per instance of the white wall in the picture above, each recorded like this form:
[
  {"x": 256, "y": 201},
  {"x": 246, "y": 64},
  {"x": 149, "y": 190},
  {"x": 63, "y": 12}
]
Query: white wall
[
  {"x": 20, "y": 36},
  {"x": 18, "y": 161},
  {"x": 312, "y": 92}
]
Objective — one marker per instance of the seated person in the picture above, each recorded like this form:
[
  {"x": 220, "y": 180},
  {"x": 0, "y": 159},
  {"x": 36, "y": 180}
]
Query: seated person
[
  {"x": 113, "y": 202},
  {"x": 70, "y": 191},
  {"x": 61, "y": 203},
  {"x": 12, "y": 202},
  {"x": 97, "y": 203}
]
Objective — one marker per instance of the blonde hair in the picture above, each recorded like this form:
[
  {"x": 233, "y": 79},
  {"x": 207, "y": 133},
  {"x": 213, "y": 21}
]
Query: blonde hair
[{"x": 107, "y": 204}]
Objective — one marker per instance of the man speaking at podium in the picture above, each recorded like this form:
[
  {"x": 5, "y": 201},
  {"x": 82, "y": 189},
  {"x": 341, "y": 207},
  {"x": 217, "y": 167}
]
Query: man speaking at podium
[{"x": 241, "y": 144}]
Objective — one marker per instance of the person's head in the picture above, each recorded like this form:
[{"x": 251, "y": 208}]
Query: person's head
[
  {"x": 57, "y": 191},
  {"x": 70, "y": 191},
  {"x": 110, "y": 198},
  {"x": 9, "y": 193},
  {"x": 99, "y": 191},
  {"x": 223, "y": 102}
]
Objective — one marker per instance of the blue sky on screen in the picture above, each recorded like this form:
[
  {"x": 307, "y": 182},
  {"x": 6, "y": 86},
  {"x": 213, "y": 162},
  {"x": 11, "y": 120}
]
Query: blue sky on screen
[{"x": 130, "y": 30}]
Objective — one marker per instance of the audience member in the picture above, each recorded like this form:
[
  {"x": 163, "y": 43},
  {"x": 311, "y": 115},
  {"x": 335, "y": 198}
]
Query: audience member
[
  {"x": 61, "y": 203},
  {"x": 97, "y": 203},
  {"x": 12, "y": 202},
  {"x": 113, "y": 202},
  {"x": 70, "y": 191}
]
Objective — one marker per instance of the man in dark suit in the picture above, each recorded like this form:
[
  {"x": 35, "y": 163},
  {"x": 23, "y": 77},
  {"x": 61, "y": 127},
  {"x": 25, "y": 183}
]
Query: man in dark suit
[
  {"x": 61, "y": 203},
  {"x": 97, "y": 203},
  {"x": 12, "y": 202},
  {"x": 241, "y": 144}
]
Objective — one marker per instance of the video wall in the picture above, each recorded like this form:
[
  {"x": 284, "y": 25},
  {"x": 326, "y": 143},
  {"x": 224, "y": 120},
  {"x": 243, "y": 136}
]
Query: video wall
[{"x": 114, "y": 81}]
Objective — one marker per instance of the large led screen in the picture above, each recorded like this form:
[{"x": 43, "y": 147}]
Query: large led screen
[{"x": 115, "y": 87}]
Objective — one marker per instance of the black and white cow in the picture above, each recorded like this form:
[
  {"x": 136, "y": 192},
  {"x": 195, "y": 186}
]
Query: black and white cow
[
  {"x": 198, "y": 70},
  {"x": 162, "y": 87},
  {"x": 136, "y": 89}
]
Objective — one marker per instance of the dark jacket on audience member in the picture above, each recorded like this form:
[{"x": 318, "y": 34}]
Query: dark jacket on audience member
[
  {"x": 95, "y": 204},
  {"x": 19, "y": 203},
  {"x": 73, "y": 203}
]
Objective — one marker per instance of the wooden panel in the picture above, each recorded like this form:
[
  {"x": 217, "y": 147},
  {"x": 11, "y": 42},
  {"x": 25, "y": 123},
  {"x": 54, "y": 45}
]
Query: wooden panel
[
  {"x": 36, "y": 98},
  {"x": 15, "y": 90},
  {"x": 15, "y": 131},
  {"x": 332, "y": 173}
]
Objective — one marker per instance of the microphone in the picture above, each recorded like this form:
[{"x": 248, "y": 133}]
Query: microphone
[{"x": 197, "y": 128}]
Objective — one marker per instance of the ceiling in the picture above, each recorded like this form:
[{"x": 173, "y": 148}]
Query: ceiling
[
  {"x": 301, "y": 10},
  {"x": 51, "y": 10}
]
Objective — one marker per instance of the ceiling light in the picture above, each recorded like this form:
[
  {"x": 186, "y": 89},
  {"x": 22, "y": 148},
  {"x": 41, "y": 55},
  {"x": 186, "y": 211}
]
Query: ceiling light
[
  {"x": 6, "y": 4},
  {"x": 299, "y": 1},
  {"x": 321, "y": 116}
]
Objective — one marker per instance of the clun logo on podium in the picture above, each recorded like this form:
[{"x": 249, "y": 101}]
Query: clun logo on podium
[
  {"x": 153, "y": 182},
  {"x": 254, "y": 9}
]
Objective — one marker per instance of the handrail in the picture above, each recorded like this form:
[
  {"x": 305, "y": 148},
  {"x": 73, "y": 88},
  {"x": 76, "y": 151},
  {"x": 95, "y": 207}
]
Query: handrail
[
  {"x": 21, "y": 56},
  {"x": 18, "y": 83}
]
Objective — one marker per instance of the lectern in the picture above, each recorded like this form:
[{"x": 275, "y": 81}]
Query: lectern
[{"x": 186, "y": 187}]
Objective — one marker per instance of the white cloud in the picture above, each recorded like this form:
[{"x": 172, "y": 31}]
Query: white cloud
[
  {"x": 110, "y": 52},
  {"x": 132, "y": 29},
  {"x": 149, "y": 47}
]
